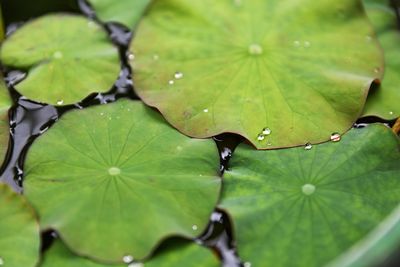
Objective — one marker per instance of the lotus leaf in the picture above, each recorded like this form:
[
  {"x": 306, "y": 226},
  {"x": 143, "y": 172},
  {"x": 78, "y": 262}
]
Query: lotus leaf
[
  {"x": 67, "y": 58},
  {"x": 279, "y": 73},
  {"x": 123, "y": 179},
  {"x": 311, "y": 204}
]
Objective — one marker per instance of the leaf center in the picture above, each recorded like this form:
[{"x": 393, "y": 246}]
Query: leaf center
[
  {"x": 114, "y": 171},
  {"x": 255, "y": 49},
  {"x": 308, "y": 189}
]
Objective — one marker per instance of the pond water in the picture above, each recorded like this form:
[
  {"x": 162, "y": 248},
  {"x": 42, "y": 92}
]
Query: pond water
[{"x": 29, "y": 119}]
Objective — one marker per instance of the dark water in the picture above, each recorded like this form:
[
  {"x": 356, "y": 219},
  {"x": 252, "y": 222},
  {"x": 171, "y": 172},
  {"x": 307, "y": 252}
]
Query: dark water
[{"x": 29, "y": 119}]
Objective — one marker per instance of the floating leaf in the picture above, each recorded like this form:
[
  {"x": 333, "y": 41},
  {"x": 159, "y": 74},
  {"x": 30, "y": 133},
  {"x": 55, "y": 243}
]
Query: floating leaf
[
  {"x": 311, "y": 204},
  {"x": 67, "y": 58},
  {"x": 122, "y": 178},
  {"x": 187, "y": 255},
  {"x": 300, "y": 68},
  {"x": 19, "y": 230},
  {"x": 127, "y": 12},
  {"x": 384, "y": 101},
  {"x": 376, "y": 248}
]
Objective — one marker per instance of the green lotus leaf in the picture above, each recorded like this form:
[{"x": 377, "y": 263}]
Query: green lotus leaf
[
  {"x": 122, "y": 178},
  {"x": 298, "y": 69},
  {"x": 188, "y": 255},
  {"x": 19, "y": 230},
  {"x": 5, "y": 104},
  {"x": 377, "y": 247},
  {"x": 127, "y": 12},
  {"x": 311, "y": 204},
  {"x": 384, "y": 101},
  {"x": 67, "y": 58}
]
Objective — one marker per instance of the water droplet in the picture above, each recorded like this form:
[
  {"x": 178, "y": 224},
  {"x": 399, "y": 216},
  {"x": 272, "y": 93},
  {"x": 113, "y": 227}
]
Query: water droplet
[
  {"x": 101, "y": 113},
  {"x": 136, "y": 264},
  {"x": 171, "y": 82},
  {"x": 266, "y": 131},
  {"x": 255, "y": 49},
  {"x": 131, "y": 56},
  {"x": 335, "y": 137},
  {"x": 178, "y": 75},
  {"x": 205, "y": 110},
  {"x": 194, "y": 227},
  {"x": 247, "y": 264},
  {"x": 60, "y": 102},
  {"x": 269, "y": 144},
  {"x": 307, "y": 44},
  {"x": 308, "y": 189},
  {"x": 127, "y": 259},
  {"x": 390, "y": 112},
  {"x": 1, "y": 261},
  {"x": 377, "y": 70},
  {"x": 308, "y": 146},
  {"x": 155, "y": 57},
  {"x": 296, "y": 43},
  {"x": 57, "y": 55},
  {"x": 115, "y": 171},
  {"x": 260, "y": 137}
]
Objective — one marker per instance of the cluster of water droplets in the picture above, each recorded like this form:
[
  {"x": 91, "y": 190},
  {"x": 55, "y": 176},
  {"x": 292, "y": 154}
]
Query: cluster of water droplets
[
  {"x": 177, "y": 76},
  {"x": 263, "y": 134}
]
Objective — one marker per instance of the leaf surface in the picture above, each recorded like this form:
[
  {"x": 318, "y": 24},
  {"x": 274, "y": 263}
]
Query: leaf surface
[
  {"x": 121, "y": 177},
  {"x": 67, "y": 58},
  {"x": 301, "y": 69},
  {"x": 311, "y": 204}
]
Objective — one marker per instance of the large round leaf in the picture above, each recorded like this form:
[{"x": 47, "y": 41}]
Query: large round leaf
[
  {"x": 280, "y": 73},
  {"x": 127, "y": 12},
  {"x": 5, "y": 104},
  {"x": 311, "y": 204},
  {"x": 19, "y": 231},
  {"x": 67, "y": 57},
  {"x": 377, "y": 247},
  {"x": 384, "y": 101},
  {"x": 183, "y": 255},
  {"x": 122, "y": 178}
]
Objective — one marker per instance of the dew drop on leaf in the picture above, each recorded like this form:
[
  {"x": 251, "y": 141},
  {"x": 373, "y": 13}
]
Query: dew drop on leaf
[
  {"x": 308, "y": 146},
  {"x": 260, "y": 137},
  {"x": 178, "y": 75},
  {"x": 60, "y": 102},
  {"x": 335, "y": 137},
  {"x": 127, "y": 259},
  {"x": 194, "y": 227},
  {"x": 266, "y": 131}
]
